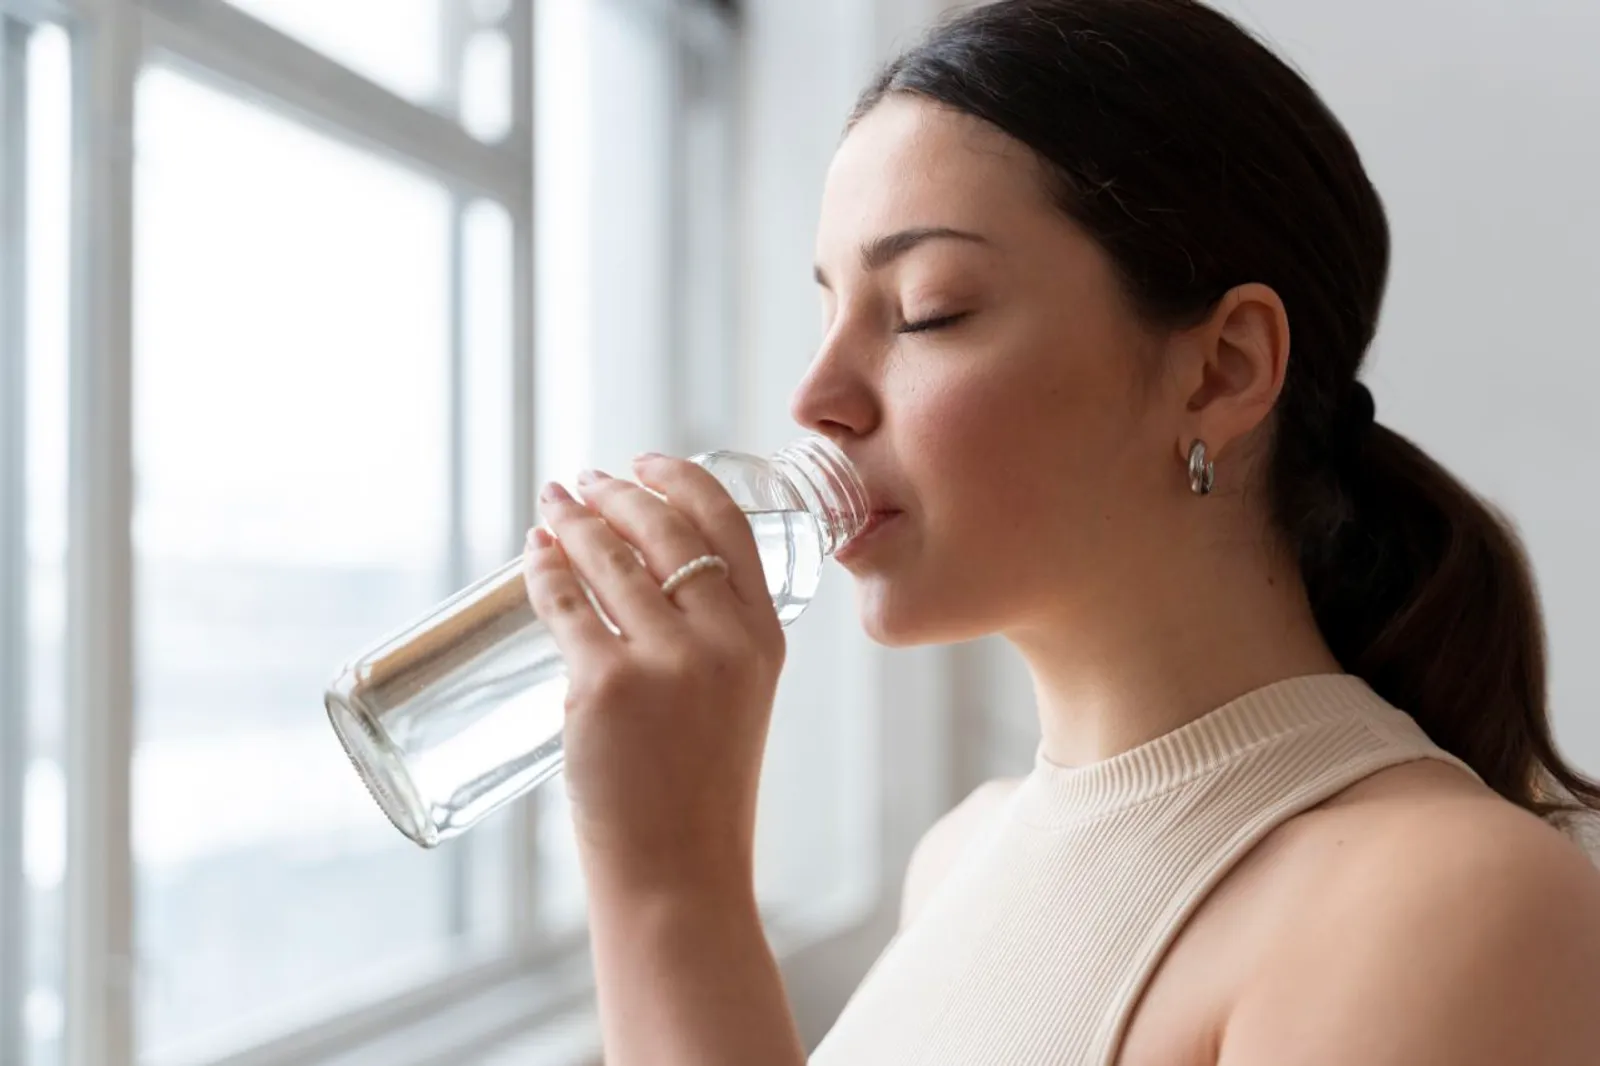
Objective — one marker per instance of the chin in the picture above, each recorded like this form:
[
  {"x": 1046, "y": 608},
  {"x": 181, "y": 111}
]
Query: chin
[{"x": 898, "y": 618}]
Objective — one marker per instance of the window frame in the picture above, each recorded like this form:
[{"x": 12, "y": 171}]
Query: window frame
[
  {"x": 540, "y": 984},
  {"x": 113, "y": 41},
  {"x": 13, "y": 489}
]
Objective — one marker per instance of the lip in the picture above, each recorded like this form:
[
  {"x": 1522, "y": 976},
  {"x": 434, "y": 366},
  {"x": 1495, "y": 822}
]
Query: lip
[{"x": 859, "y": 544}]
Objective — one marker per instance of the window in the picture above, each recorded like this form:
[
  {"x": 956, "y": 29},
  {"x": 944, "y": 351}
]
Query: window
[
  {"x": 292, "y": 384},
  {"x": 268, "y": 390},
  {"x": 260, "y": 404},
  {"x": 451, "y": 56},
  {"x": 35, "y": 169},
  {"x": 405, "y": 55}
]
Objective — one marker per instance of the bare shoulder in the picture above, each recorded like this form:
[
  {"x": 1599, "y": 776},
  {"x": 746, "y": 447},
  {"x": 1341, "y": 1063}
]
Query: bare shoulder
[
  {"x": 939, "y": 847},
  {"x": 1436, "y": 839},
  {"x": 1427, "y": 820},
  {"x": 1443, "y": 924}
]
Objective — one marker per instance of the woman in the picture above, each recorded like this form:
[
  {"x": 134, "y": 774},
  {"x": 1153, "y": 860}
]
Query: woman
[{"x": 1098, "y": 278}]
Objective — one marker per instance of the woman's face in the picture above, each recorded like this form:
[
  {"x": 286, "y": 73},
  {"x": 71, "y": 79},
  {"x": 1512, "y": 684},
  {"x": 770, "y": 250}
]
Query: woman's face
[{"x": 993, "y": 385}]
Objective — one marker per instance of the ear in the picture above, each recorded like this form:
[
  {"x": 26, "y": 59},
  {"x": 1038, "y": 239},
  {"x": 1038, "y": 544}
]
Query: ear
[{"x": 1231, "y": 368}]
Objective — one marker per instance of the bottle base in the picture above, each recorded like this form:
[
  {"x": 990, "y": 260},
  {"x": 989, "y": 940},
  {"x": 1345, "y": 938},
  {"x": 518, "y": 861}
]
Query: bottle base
[{"x": 381, "y": 769}]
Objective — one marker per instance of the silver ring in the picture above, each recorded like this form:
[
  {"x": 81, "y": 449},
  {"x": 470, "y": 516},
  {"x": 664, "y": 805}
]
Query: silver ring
[{"x": 692, "y": 569}]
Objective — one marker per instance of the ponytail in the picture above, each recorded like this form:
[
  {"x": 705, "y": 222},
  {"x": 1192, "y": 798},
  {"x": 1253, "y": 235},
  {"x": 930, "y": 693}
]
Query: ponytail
[{"x": 1425, "y": 592}]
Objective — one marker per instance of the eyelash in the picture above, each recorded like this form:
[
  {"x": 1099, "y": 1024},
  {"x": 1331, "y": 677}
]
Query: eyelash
[{"x": 928, "y": 325}]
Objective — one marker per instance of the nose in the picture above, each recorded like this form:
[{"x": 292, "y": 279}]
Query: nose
[{"x": 837, "y": 397}]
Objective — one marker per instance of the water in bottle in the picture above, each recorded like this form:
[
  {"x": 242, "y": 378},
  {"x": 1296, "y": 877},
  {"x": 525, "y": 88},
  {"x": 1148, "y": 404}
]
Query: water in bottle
[{"x": 462, "y": 712}]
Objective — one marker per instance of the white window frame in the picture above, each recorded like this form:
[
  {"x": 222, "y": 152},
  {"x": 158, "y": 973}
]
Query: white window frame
[
  {"x": 113, "y": 41},
  {"x": 539, "y": 986},
  {"x": 13, "y": 640}
]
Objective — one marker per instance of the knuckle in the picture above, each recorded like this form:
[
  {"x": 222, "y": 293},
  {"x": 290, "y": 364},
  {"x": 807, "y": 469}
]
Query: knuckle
[
  {"x": 686, "y": 478},
  {"x": 675, "y": 661},
  {"x": 666, "y": 527},
  {"x": 605, "y": 684},
  {"x": 565, "y": 602},
  {"x": 554, "y": 604},
  {"x": 553, "y": 594},
  {"x": 721, "y": 507},
  {"x": 673, "y": 466},
  {"x": 620, "y": 560},
  {"x": 545, "y": 564},
  {"x": 730, "y": 520},
  {"x": 717, "y": 663},
  {"x": 724, "y": 661},
  {"x": 581, "y": 519},
  {"x": 686, "y": 661},
  {"x": 617, "y": 682}
]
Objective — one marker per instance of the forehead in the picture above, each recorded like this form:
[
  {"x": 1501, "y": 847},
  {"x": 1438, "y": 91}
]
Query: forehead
[{"x": 910, "y": 162}]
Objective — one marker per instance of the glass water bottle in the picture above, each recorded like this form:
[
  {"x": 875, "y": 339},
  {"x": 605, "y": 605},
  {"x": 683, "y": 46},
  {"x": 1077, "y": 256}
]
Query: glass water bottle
[{"x": 461, "y": 712}]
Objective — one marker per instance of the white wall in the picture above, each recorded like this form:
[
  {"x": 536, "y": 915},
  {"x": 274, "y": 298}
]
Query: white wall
[{"x": 1480, "y": 123}]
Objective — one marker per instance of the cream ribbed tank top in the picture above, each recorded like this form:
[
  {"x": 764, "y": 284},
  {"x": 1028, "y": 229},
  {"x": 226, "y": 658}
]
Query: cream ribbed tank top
[{"x": 1039, "y": 941}]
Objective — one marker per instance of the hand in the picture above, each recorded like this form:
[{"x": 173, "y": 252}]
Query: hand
[{"x": 666, "y": 723}]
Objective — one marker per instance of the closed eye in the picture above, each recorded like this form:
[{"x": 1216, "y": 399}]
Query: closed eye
[{"x": 927, "y": 325}]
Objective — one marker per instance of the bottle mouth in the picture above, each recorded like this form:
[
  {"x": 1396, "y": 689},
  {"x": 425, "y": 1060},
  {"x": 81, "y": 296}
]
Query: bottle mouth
[{"x": 836, "y": 494}]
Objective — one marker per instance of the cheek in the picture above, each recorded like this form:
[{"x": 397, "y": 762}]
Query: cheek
[
  {"x": 956, "y": 454},
  {"x": 1027, "y": 482},
  {"x": 987, "y": 454},
  {"x": 994, "y": 449}
]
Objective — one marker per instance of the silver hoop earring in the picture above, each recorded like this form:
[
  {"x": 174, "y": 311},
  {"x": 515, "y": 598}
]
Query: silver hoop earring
[{"x": 1202, "y": 472}]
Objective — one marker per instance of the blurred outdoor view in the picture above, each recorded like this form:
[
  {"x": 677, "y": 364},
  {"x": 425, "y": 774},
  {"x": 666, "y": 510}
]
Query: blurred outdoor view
[{"x": 295, "y": 300}]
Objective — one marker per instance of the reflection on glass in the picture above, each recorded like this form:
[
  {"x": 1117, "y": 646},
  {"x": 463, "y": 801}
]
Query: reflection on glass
[
  {"x": 291, "y": 424},
  {"x": 44, "y": 846}
]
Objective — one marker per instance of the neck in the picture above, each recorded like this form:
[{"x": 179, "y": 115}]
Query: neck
[{"x": 1146, "y": 659}]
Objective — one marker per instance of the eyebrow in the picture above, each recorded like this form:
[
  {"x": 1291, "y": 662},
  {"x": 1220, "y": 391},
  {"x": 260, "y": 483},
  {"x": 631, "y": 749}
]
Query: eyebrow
[{"x": 880, "y": 252}]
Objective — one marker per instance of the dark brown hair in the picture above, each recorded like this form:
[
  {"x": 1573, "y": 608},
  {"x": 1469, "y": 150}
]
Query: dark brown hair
[{"x": 1200, "y": 161}]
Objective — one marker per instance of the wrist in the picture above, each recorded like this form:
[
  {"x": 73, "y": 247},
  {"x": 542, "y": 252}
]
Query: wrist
[
  {"x": 704, "y": 923},
  {"x": 704, "y": 889},
  {"x": 686, "y": 975},
  {"x": 707, "y": 866}
]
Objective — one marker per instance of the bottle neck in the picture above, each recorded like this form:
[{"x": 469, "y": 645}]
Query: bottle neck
[{"x": 829, "y": 486}]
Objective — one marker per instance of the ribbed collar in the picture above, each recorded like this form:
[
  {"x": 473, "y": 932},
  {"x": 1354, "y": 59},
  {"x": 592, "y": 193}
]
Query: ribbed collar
[{"x": 1054, "y": 795}]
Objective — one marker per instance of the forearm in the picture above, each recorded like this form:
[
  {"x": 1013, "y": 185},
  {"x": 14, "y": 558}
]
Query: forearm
[{"x": 688, "y": 980}]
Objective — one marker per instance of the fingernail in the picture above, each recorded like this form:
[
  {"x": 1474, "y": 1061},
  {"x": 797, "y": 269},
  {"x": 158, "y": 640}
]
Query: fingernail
[
  {"x": 647, "y": 457},
  {"x": 590, "y": 477},
  {"x": 540, "y": 537},
  {"x": 555, "y": 492}
]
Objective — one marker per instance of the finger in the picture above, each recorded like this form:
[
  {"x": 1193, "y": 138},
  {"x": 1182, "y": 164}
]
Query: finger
[
  {"x": 706, "y": 503},
  {"x": 559, "y": 601},
  {"x": 627, "y": 592},
  {"x": 662, "y": 533}
]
